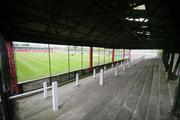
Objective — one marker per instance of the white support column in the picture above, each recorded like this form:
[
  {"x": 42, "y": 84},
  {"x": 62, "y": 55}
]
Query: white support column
[
  {"x": 117, "y": 65},
  {"x": 123, "y": 67},
  {"x": 104, "y": 69},
  {"x": 77, "y": 79},
  {"x": 94, "y": 73},
  {"x": 133, "y": 62},
  {"x": 55, "y": 96},
  {"x": 129, "y": 64},
  {"x": 116, "y": 70},
  {"x": 121, "y": 64},
  {"x": 101, "y": 77},
  {"x": 45, "y": 89},
  {"x": 112, "y": 65}
]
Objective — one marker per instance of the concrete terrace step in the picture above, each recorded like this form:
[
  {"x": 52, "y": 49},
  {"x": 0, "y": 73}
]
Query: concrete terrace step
[
  {"x": 154, "y": 101},
  {"x": 142, "y": 105},
  {"x": 139, "y": 93},
  {"x": 132, "y": 102},
  {"x": 112, "y": 109}
]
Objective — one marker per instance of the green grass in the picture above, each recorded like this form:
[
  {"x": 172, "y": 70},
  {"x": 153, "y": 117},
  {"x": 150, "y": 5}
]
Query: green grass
[{"x": 33, "y": 65}]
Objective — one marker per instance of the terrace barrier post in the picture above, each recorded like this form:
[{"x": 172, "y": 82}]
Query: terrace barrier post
[
  {"x": 45, "y": 89},
  {"x": 112, "y": 65},
  {"x": 123, "y": 67},
  {"x": 77, "y": 79},
  {"x": 116, "y": 70},
  {"x": 104, "y": 69},
  {"x": 101, "y": 77},
  {"x": 94, "y": 73},
  {"x": 117, "y": 64},
  {"x": 55, "y": 96},
  {"x": 129, "y": 63}
]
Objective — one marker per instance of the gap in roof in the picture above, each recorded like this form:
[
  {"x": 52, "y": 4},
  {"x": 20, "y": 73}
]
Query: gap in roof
[
  {"x": 139, "y": 32},
  {"x": 137, "y": 19},
  {"x": 148, "y": 33},
  {"x": 141, "y": 7},
  {"x": 144, "y": 26}
]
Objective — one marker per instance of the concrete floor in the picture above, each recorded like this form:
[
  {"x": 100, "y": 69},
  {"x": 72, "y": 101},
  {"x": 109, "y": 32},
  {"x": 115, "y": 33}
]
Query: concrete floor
[{"x": 141, "y": 92}]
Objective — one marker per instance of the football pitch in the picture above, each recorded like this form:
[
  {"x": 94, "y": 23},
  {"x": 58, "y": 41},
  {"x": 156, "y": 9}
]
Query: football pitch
[{"x": 34, "y": 65}]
